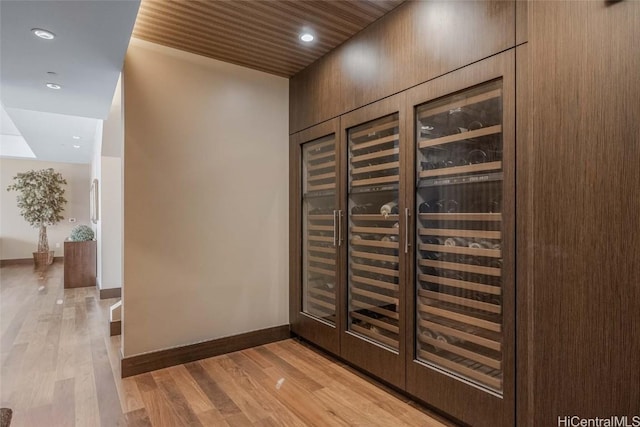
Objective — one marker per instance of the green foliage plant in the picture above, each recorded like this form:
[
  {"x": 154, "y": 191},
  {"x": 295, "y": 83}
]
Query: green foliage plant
[
  {"x": 81, "y": 233},
  {"x": 40, "y": 200}
]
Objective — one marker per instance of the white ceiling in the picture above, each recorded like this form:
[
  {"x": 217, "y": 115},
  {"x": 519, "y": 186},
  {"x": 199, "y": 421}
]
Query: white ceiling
[
  {"x": 86, "y": 55},
  {"x": 12, "y": 144},
  {"x": 50, "y": 135}
]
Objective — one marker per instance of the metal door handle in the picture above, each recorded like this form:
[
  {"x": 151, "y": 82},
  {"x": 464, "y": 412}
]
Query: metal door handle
[
  {"x": 406, "y": 230},
  {"x": 340, "y": 228},
  {"x": 334, "y": 228}
]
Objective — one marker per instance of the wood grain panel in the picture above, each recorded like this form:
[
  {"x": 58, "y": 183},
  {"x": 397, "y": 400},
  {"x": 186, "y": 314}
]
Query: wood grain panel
[
  {"x": 416, "y": 42},
  {"x": 110, "y": 293},
  {"x": 80, "y": 264},
  {"x": 525, "y": 239},
  {"x": 522, "y": 21},
  {"x": 263, "y": 35},
  {"x": 585, "y": 91},
  {"x": 115, "y": 328}
]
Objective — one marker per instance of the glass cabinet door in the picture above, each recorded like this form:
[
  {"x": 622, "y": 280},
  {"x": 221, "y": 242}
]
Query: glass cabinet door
[
  {"x": 459, "y": 235},
  {"x": 373, "y": 240},
  {"x": 320, "y": 219}
]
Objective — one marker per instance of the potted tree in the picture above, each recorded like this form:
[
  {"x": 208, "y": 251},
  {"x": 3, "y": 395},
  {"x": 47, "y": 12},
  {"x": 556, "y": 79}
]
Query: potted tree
[{"x": 41, "y": 202}]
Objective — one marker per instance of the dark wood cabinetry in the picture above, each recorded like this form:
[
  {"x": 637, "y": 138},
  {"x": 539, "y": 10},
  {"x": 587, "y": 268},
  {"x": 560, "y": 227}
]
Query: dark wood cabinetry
[
  {"x": 420, "y": 298},
  {"x": 584, "y": 121},
  {"x": 502, "y": 289},
  {"x": 416, "y": 42},
  {"x": 80, "y": 264}
]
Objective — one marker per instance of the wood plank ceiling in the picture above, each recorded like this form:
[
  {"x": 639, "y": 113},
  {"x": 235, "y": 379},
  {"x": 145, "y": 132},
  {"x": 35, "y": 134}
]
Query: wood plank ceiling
[{"x": 259, "y": 34}]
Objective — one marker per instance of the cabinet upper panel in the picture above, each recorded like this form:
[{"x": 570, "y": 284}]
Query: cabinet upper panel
[{"x": 415, "y": 43}]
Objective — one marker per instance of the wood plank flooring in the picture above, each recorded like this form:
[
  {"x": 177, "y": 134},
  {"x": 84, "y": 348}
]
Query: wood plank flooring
[{"x": 59, "y": 367}]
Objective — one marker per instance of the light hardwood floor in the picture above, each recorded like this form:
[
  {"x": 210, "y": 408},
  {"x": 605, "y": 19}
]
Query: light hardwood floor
[{"x": 60, "y": 368}]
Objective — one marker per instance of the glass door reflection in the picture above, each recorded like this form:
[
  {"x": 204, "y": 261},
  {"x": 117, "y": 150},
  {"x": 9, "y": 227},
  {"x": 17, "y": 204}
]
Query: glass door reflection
[
  {"x": 319, "y": 223},
  {"x": 373, "y": 281}
]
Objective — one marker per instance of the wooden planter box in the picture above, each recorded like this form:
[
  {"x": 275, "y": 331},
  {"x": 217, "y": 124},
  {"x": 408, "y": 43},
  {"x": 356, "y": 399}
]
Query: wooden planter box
[{"x": 80, "y": 264}]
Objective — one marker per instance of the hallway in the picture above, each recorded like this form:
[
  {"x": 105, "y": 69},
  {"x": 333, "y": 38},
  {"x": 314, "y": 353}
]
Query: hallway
[
  {"x": 60, "y": 368},
  {"x": 57, "y": 357}
]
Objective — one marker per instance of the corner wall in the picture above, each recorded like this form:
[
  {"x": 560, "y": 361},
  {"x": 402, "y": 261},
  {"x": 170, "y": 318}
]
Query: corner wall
[
  {"x": 106, "y": 167},
  {"x": 206, "y": 199}
]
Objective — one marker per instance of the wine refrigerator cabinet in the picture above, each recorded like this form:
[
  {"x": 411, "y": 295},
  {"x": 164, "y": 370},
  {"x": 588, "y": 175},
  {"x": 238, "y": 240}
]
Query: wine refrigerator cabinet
[
  {"x": 460, "y": 355},
  {"x": 376, "y": 239},
  {"x": 316, "y": 235}
]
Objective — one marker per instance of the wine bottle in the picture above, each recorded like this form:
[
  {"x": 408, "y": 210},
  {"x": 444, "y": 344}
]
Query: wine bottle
[
  {"x": 434, "y": 256},
  {"x": 428, "y": 165},
  {"x": 389, "y": 208},
  {"x": 445, "y": 164},
  {"x": 484, "y": 244},
  {"x": 467, "y": 260},
  {"x": 321, "y": 211},
  {"x": 495, "y": 263},
  {"x": 459, "y": 156},
  {"x": 366, "y": 208},
  {"x": 451, "y": 274},
  {"x": 428, "y": 334},
  {"x": 476, "y": 156},
  {"x": 451, "y": 206},
  {"x": 456, "y": 241},
  {"x": 494, "y": 206},
  {"x": 433, "y": 287},
  {"x": 431, "y": 130},
  {"x": 430, "y": 240},
  {"x": 457, "y": 121},
  {"x": 425, "y": 207},
  {"x": 431, "y": 206}
]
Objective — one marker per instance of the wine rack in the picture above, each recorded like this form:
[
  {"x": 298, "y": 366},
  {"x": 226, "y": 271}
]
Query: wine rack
[
  {"x": 459, "y": 235},
  {"x": 319, "y": 228},
  {"x": 374, "y": 279}
]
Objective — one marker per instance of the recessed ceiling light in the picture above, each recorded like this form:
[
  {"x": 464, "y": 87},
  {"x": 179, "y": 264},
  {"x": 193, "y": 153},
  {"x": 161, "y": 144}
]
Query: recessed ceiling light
[
  {"x": 75, "y": 137},
  {"x": 306, "y": 37},
  {"x": 52, "y": 73},
  {"x": 76, "y": 146},
  {"x": 43, "y": 34},
  {"x": 54, "y": 86}
]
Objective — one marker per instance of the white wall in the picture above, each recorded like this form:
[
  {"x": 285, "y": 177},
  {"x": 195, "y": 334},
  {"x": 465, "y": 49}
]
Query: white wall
[
  {"x": 18, "y": 239},
  {"x": 206, "y": 205},
  {"x": 111, "y": 222},
  {"x": 107, "y": 169},
  {"x": 96, "y": 173}
]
